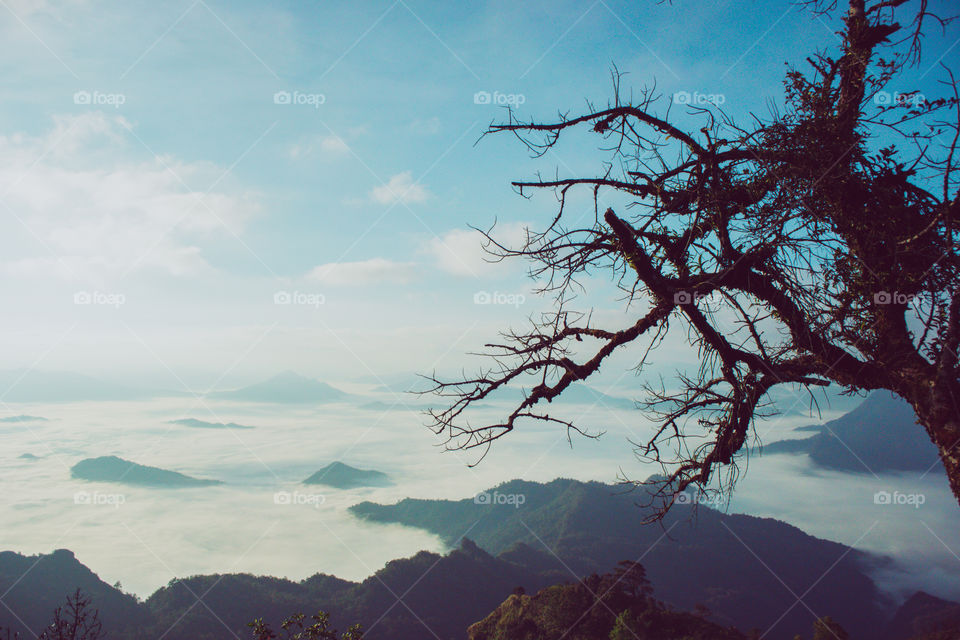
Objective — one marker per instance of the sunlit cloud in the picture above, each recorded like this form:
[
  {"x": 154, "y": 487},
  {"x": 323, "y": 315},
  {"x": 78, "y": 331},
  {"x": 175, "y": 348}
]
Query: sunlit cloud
[
  {"x": 400, "y": 188},
  {"x": 372, "y": 271}
]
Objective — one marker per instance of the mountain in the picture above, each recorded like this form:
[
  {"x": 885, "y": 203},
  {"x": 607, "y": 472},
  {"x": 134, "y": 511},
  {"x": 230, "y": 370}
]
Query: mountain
[
  {"x": 342, "y": 476},
  {"x": 202, "y": 424},
  {"x": 287, "y": 388},
  {"x": 114, "y": 469},
  {"x": 597, "y": 608},
  {"x": 33, "y": 586},
  {"x": 441, "y": 596},
  {"x": 747, "y": 568},
  {"x": 583, "y": 394},
  {"x": 880, "y": 435},
  {"x": 31, "y": 385},
  {"x": 925, "y": 616},
  {"x": 23, "y": 418}
]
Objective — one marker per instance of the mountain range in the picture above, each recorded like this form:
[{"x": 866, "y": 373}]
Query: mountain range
[
  {"x": 879, "y": 435},
  {"x": 730, "y": 565}
]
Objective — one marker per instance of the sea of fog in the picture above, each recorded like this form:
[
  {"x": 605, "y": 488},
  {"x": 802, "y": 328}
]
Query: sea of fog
[{"x": 145, "y": 537}]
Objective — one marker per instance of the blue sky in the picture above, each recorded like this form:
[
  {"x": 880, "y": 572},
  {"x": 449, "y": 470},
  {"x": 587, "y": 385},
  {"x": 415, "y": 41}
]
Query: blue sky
[{"x": 143, "y": 154}]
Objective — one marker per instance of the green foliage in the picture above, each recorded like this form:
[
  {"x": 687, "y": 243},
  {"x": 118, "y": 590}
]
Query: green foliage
[
  {"x": 294, "y": 629},
  {"x": 826, "y": 629}
]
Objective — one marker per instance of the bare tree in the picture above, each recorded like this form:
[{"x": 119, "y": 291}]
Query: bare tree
[
  {"x": 825, "y": 237},
  {"x": 76, "y": 620}
]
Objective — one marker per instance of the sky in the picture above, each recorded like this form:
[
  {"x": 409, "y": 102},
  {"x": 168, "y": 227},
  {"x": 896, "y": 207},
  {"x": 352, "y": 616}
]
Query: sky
[
  {"x": 200, "y": 194},
  {"x": 167, "y": 170}
]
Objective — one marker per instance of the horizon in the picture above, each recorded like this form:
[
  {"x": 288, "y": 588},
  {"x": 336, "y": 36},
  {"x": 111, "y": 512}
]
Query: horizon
[{"x": 237, "y": 239}]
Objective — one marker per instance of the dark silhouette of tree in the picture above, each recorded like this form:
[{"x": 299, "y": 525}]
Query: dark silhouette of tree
[
  {"x": 294, "y": 629},
  {"x": 814, "y": 247},
  {"x": 826, "y": 629},
  {"x": 76, "y": 620}
]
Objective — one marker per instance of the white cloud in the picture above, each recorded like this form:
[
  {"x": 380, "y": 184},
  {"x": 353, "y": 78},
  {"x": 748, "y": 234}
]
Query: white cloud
[
  {"x": 400, "y": 188},
  {"x": 79, "y": 207},
  {"x": 327, "y": 145},
  {"x": 461, "y": 251},
  {"x": 372, "y": 271}
]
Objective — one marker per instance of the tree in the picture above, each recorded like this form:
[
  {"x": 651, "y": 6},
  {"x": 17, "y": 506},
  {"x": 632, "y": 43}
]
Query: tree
[
  {"x": 76, "y": 620},
  {"x": 826, "y": 629},
  {"x": 814, "y": 247},
  {"x": 294, "y": 629}
]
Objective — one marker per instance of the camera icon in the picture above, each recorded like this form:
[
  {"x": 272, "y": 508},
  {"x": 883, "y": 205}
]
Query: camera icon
[
  {"x": 81, "y": 497},
  {"x": 281, "y": 497},
  {"x": 82, "y": 297},
  {"x": 683, "y": 297},
  {"x": 81, "y": 97},
  {"x": 281, "y": 97},
  {"x": 482, "y": 297},
  {"x": 683, "y": 498},
  {"x": 682, "y": 97},
  {"x": 883, "y": 97},
  {"x": 482, "y": 97},
  {"x": 483, "y": 498},
  {"x": 882, "y": 497},
  {"x": 282, "y": 297},
  {"x": 883, "y": 297}
]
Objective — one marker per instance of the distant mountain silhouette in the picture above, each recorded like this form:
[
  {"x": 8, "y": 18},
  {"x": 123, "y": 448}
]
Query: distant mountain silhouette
[
  {"x": 287, "y": 388},
  {"x": 28, "y": 456},
  {"x": 880, "y": 435},
  {"x": 202, "y": 424},
  {"x": 114, "y": 469},
  {"x": 342, "y": 476},
  {"x": 583, "y": 394},
  {"x": 33, "y": 586},
  {"x": 23, "y": 418},
  {"x": 925, "y": 616},
  {"x": 722, "y": 561},
  {"x": 31, "y": 385}
]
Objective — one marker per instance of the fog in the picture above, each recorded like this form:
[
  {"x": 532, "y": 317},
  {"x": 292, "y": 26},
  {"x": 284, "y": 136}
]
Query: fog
[{"x": 144, "y": 537}]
